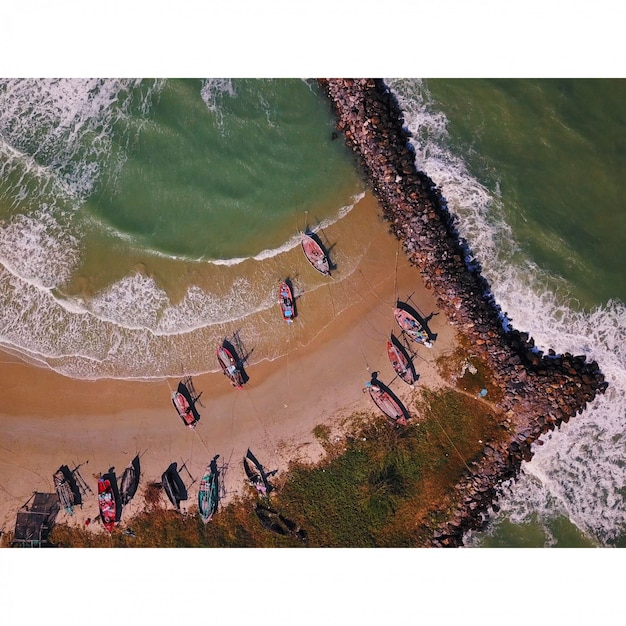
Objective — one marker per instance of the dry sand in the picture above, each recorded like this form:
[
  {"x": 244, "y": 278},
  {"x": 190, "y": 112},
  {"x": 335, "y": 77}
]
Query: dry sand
[{"x": 47, "y": 420}]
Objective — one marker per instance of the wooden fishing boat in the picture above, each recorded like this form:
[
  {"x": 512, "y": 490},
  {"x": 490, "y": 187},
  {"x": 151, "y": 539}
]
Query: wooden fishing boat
[
  {"x": 256, "y": 474},
  {"x": 130, "y": 481},
  {"x": 229, "y": 366},
  {"x": 173, "y": 484},
  {"x": 285, "y": 300},
  {"x": 185, "y": 406},
  {"x": 387, "y": 403},
  {"x": 315, "y": 255},
  {"x": 208, "y": 495},
  {"x": 106, "y": 502},
  {"x": 411, "y": 326},
  {"x": 64, "y": 490},
  {"x": 400, "y": 361},
  {"x": 277, "y": 523}
]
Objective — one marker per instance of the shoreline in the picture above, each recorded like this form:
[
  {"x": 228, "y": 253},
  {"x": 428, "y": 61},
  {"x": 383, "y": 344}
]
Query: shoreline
[
  {"x": 540, "y": 391},
  {"x": 103, "y": 423}
]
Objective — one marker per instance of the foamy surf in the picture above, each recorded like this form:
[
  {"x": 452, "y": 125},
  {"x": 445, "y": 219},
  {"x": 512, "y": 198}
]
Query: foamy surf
[{"x": 580, "y": 473}]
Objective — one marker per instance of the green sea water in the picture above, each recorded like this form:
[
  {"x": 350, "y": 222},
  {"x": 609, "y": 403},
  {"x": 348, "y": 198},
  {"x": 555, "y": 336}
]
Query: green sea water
[
  {"x": 222, "y": 170},
  {"x": 555, "y": 152}
]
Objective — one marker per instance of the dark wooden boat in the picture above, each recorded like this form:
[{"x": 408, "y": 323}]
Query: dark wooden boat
[
  {"x": 208, "y": 495},
  {"x": 387, "y": 402},
  {"x": 229, "y": 366},
  {"x": 285, "y": 300},
  {"x": 315, "y": 255},
  {"x": 411, "y": 325},
  {"x": 185, "y": 406},
  {"x": 173, "y": 484},
  {"x": 64, "y": 489},
  {"x": 107, "y": 502},
  {"x": 130, "y": 481},
  {"x": 256, "y": 474},
  {"x": 277, "y": 523},
  {"x": 400, "y": 361}
]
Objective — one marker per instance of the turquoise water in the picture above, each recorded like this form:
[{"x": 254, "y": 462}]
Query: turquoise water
[
  {"x": 219, "y": 170},
  {"x": 534, "y": 169}
]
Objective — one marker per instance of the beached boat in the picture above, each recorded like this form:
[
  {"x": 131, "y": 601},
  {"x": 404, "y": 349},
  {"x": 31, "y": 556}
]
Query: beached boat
[
  {"x": 208, "y": 495},
  {"x": 130, "y": 481},
  {"x": 285, "y": 300},
  {"x": 410, "y": 325},
  {"x": 315, "y": 255},
  {"x": 173, "y": 484},
  {"x": 400, "y": 361},
  {"x": 229, "y": 366},
  {"x": 106, "y": 502},
  {"x": 277, "y": 523},
  {"x": 256, "y": 474},
  {"x": 185, "y": 406},
  {"x": 64, "y": 490},
  {"x": 387, "y": 402}
]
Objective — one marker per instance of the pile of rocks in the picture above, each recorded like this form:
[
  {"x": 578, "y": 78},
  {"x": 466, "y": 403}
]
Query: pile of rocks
[{"x": 540, "y": 390}]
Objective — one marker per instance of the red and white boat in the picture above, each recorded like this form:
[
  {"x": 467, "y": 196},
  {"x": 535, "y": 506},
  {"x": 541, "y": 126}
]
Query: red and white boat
[
  {"x": 285, "y": 300},
  {"x": 314, "y": 253},
  {"x": 400, "y": 361},
  {"x": 106, "y": 503},
  {"x": 389, "y": 405},
  {"x": 411, "y": 326},
  {"x": 229, "y": 366},
  {"x": 181, "y": 400}
]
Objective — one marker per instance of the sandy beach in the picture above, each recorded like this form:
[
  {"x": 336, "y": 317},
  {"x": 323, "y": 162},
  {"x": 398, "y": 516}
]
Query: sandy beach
[{"x": 329, "y": 353}]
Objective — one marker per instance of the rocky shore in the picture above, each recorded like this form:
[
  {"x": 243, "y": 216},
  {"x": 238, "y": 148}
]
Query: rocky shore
[{"x": 540, "y": 391}]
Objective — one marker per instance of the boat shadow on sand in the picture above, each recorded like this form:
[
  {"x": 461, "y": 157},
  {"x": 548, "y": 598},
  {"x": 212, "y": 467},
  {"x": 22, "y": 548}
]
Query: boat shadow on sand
[{"x": 420, "y": 318}]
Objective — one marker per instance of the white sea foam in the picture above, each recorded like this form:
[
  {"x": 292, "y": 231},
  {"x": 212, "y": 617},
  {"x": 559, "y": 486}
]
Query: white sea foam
[{"x": 581, "y": 471}]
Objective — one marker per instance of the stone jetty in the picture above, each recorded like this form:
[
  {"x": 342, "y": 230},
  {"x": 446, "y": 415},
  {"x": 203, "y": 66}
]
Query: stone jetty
[{"x": 540, "y": 391}]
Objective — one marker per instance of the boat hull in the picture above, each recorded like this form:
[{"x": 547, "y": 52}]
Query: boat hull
[
  {"x": 400, "y": 362},
  {"x": 130, "y": 481},
  {"x": 411, "y": 326},
  {"x": 229, "y": 367},
  {"x": 391, "y": 407},
  {"x": 106, "y": 503},
  {"x": 315, "y": 255},
  {"x": 285, "y": 300},
  {"x": 208, "y": 495}
]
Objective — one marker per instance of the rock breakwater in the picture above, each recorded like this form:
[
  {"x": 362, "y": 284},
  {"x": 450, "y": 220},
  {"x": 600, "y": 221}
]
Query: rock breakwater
[{"x": 540, "y": 391}]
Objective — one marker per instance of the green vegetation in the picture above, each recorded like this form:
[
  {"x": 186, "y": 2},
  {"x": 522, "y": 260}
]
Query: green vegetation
[{"x": 381, "y": 486}]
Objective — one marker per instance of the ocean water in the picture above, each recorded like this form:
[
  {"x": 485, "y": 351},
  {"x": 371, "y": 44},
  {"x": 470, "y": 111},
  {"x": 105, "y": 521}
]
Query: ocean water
[
  {"x": 142, "y": 221},
  {"x": 534, "y": 169}
]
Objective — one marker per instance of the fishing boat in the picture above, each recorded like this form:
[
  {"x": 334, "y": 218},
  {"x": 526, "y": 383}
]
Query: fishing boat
[
  {"x": 411, "y": 326},
  {"x": 229, "y": 366},
  {"x": 256, "y": 474},
  {"x": 314, "y": 253},
  {"x": 285, "y": 300},
  {"x": 185, "y": 406},
  {"x": 173, "y": 484},
  {"x": 400, "y": 361},
  {"x": 208, "y": 495},
  {"x": 130, "y": 481},
  {"x": 277, "y": 523},
  {"x": 387, "y": 403},
  {"x": 106, "y": 502},
  {"x": 64, "y": 490}
]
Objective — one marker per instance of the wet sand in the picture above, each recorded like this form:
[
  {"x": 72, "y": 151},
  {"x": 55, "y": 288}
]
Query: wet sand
[{"x": 326, "y": 357}]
